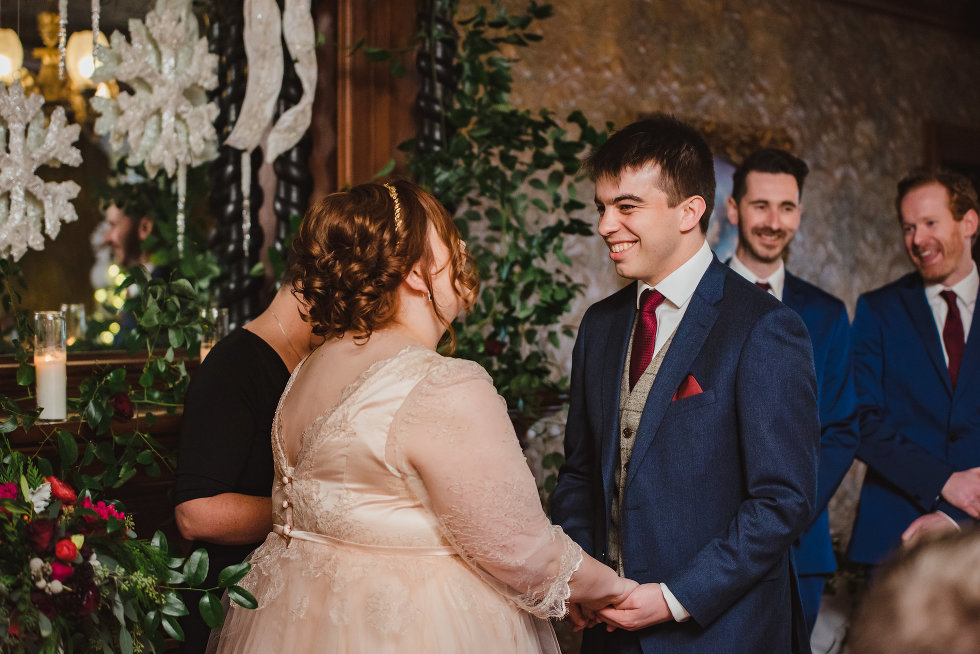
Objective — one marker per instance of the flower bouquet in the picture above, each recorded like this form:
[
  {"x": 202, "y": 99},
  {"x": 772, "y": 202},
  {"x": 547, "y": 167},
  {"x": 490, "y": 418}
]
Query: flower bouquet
[{"x": 74, "y": 577}]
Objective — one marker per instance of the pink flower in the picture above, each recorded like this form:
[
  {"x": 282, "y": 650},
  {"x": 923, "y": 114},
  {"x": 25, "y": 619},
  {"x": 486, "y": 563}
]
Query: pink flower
[
  {"x": 103, "y": 510},
  {"x": 8, "y": 490},
  {"x": 60, "y": 572}
]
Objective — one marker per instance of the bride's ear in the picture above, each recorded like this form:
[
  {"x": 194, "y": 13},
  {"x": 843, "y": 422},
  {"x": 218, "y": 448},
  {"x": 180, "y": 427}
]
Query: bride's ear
[{"x": 415, "y": 280}]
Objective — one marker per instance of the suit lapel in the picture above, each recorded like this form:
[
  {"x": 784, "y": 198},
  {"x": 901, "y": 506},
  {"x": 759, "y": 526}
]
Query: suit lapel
[
  {"x": 690, "y": 337},
  {"x": 971, "y": 358},
  {"x": 793, "y": 296},
  {"x": 914, "y": 299},
  {"x": 614, "y": 360}
]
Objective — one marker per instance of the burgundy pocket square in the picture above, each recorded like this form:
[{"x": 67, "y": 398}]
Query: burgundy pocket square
[{"x": 688, "y": 387}]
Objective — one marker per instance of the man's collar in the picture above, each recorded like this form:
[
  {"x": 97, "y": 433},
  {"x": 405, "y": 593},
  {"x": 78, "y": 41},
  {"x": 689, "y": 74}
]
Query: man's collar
[
  {"x": 678, "y": 286},
  {"x": 966, "y": 289},
  {"x": 776, "y": 281}
]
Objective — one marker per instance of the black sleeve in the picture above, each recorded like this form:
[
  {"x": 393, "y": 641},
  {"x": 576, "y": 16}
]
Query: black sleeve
[{"x": 225, "y": 437}]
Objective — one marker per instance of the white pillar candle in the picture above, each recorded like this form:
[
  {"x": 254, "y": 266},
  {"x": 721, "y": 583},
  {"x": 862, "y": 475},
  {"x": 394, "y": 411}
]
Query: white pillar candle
[
  {"x": 52, "y": 382},
  {"x": 50, "y": 363}
]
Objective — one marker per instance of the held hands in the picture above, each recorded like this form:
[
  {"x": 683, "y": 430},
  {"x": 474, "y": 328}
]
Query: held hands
[
  {"x": 962, "y": 490},
  {"x": 584, "y": 615},
  {"x": 643, "y": 607}
]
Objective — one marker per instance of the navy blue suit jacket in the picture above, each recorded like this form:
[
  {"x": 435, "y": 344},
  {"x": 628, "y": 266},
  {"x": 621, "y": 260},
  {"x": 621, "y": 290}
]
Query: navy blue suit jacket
[
  {"x": 720, "y": 483},
  {"x": 830, "y": 334},
  {"x": 915, "y": 429}
]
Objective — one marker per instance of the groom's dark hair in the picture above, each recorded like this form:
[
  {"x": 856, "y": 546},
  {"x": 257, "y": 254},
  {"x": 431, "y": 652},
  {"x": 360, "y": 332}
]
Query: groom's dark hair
[{"x": 677, "y": 149}]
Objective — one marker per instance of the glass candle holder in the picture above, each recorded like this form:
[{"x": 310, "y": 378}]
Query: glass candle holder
[
  {"x": 214, "y": 327},
  {"x": 74, "y": 322},
  {"x": 50, "y": 363}
]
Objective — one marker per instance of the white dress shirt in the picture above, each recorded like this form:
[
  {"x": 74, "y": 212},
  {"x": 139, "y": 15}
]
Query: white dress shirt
[
  {"x": 677, "y": 289},
  {"x": 966, "y": 300},
  {"x": 776, "y": 280}
]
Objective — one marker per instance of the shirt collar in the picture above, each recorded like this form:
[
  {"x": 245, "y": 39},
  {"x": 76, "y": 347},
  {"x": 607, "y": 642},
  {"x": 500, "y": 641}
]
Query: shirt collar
[
  {"x": 678, "y": 286},
  {"x": 776, "y": 280},
  {"x": 966, "y": 289}
]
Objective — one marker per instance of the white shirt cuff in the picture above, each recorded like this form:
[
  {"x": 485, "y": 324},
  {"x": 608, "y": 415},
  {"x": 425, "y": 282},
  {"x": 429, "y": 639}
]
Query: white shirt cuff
[
  {"x": 679, "y": 612},
  {"x": 955, "y": 524}
]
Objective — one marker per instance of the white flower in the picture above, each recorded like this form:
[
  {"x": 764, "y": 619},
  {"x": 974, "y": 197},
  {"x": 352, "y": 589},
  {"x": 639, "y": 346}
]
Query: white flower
[
  {"x": 36, "y": 566},
  {"x": 40, "y": 497},
  {"x": 55, "y": 587},
  {"x": 41, "y": 583},
  {"x": 93, "y": 561}
]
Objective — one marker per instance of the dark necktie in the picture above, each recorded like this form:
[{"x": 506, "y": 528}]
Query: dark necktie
[
  {"x": 645, "y": 336},
  {"x": 765, "y": 286},
  {"x": 953, "y": 335}
]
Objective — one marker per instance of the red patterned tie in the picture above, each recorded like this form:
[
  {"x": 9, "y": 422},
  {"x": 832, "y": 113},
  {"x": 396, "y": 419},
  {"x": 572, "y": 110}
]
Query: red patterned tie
[
  {"x": 765, "y": 286},
  {"x": 953, "y": 336},
  {"x": 645, "y": 336}
]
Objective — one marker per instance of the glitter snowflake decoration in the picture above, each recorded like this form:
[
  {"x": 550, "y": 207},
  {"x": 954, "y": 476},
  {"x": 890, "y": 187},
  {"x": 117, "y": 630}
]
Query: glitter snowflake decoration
[
  {"x": 166, "y": 121},
  {"x": 29, "y": 206}
]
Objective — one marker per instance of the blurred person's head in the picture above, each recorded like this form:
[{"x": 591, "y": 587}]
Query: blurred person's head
[
  {"x": 356, "y": 248},
  {"x": 937, "y": 210},
  {"x": 926, "y": 600},
  {"x": 124, "y": 235}
]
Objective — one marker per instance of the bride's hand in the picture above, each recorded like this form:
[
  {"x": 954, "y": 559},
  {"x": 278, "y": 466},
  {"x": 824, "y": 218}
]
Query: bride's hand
[{"x": 618, "y": 591}]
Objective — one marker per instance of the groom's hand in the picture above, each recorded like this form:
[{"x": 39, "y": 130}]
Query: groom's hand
[
  {"x": 581, "y": 617},
  {"x": 645, "y": 606}
]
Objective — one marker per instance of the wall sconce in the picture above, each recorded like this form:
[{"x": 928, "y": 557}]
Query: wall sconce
[
  {"x": 11, "y": 56},
  {"x": 80, "y": 61}
]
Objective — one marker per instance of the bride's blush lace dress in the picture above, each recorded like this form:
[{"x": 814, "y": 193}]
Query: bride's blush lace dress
[{"x": 408, "y": 522}]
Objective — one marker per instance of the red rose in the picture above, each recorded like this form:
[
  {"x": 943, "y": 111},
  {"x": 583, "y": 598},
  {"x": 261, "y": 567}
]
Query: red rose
[
  {"x": 65, "y": 550},
  {"x": 59, "y": 571},
  {"x": 39, "y": 533},
  {"x": 62, "y": 491},
  {"x": 14, "y": 629},
  {"x": 122, "y": 406},
  {"x": 492, "y": 346}
]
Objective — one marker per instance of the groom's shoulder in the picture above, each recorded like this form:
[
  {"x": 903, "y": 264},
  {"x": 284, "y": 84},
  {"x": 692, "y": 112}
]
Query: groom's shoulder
[{"x": 614, "y": 303}]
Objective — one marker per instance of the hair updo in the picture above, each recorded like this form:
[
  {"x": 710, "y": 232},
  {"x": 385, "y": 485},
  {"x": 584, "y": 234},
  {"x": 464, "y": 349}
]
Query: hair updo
[{"x": 350, "y": 256}]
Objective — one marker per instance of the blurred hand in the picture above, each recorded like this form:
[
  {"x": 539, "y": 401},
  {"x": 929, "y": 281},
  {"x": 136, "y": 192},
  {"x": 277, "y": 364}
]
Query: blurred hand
[
  {"x": 645, "y": 606},
  {"x": 930, "y": 523},
  {"x": 962, "y": 490},
  {"x": 581, "y": 617}
]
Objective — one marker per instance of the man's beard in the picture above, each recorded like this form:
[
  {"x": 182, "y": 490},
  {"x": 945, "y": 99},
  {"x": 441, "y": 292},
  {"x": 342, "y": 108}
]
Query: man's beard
[{"x": 746, "y": 244}]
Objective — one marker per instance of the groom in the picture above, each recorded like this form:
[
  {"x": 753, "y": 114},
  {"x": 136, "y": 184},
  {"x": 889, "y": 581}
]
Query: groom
[{"x": 692, "y": 432}]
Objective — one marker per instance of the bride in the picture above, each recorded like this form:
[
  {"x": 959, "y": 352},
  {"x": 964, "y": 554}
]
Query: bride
[{"x": 406, "y": 519}]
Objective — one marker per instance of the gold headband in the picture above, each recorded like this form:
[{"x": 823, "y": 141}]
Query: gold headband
[{"x": 398, "y": 206}]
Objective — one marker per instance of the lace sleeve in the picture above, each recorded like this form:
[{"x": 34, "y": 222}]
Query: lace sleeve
[{"x": 456, "y": 446}]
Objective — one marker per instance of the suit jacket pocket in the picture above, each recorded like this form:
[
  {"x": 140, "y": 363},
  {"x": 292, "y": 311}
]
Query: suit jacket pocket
[{"x": 692, "y": 402}]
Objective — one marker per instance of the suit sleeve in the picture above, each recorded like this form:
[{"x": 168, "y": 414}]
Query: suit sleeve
[
  {"x": 838, "y": 422},
  {"x": 573, "y": 499},
  {"x": 778, "y": 432},
  {"x": 918, "y": 473}
]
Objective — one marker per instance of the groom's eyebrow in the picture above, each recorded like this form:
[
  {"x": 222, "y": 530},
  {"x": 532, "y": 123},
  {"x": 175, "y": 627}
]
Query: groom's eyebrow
[{"x": 628, "y": 196}]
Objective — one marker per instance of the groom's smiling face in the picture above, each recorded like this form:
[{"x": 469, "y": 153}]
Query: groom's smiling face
[{"x": 644, "y": 235}]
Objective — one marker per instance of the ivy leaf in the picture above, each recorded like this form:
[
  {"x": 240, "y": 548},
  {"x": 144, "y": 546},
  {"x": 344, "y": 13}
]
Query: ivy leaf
[
  {"x": 242, "y": 597},
  {"x": 233, "y": 574},
  {"x": 67, "y": 448},
  {"x": 211, "y": 611},
  {"x": 196, "y": 567},
  {"x": 25, "y": 374}
]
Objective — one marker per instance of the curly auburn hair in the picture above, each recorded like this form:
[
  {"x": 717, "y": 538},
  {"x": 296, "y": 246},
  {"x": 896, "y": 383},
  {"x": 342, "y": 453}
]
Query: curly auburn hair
[
  {"x": 959, "y": 188},
  {"x": 350, "y": 257}
]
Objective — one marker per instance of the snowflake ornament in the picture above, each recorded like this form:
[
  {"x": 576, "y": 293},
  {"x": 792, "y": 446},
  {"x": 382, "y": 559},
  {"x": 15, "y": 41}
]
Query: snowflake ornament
[
  {"x": 29, "y": 206},
  {"x": 166, "y": 121}
]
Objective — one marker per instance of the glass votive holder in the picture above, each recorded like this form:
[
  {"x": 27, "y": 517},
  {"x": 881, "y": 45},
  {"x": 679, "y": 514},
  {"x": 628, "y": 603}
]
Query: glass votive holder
[
  {"x": 74, "y": 322},
  {"x": 214, "y": 327},
  {"x": 50, "y": 364}
]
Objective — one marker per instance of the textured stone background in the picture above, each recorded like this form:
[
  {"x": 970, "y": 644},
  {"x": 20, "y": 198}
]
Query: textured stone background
[{"x": 852, "y": 88}]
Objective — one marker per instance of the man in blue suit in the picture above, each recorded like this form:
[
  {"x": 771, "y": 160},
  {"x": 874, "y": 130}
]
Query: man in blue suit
[
  {"x": 692, "y": 432},
  {"x": 766, "y": 207},
  {"x": 917, "y": 373}
]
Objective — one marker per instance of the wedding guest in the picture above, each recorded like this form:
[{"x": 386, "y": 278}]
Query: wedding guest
[
  {"x": 692, "y": 430},
  {"x": 405, "y": 516},
  {"x": 767, "y": 208},
  {"x": 924, "y": 601},
  {"x": 917, "y": 372},
  {"x": 224, "y": 470}
]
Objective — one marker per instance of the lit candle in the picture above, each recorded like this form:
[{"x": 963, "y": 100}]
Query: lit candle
[
  {"x": 50, "y": 362},
  {"x": 52, "y": 382}
]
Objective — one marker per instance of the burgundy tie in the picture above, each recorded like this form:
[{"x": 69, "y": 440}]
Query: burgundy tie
[
  {"x": 953, "y": 336},
  {"x": 764, "y": 286},
  {"x": 645, "y": 336}
]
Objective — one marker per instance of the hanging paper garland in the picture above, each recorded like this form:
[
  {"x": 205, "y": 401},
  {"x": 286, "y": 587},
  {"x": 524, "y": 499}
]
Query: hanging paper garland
[{"x": 166, "y": 122}]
